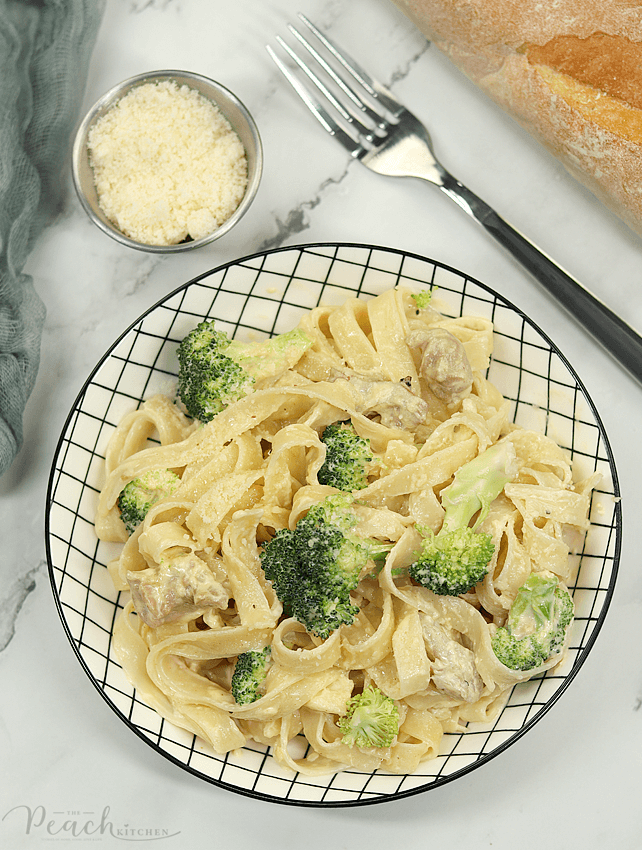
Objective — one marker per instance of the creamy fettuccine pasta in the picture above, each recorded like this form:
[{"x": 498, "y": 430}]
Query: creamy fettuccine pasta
[{"x": 413, "y": 383}]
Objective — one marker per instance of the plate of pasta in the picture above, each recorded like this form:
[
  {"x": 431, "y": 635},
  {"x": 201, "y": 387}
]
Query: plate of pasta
[{"x": 332, "y": 524}]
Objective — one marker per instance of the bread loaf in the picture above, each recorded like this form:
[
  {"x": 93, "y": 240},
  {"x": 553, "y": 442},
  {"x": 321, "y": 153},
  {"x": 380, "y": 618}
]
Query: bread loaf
[{"x": 568, "y": 71}]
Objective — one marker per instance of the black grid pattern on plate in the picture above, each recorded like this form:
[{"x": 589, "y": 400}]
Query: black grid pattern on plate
[{"x": 258, "y": 296}]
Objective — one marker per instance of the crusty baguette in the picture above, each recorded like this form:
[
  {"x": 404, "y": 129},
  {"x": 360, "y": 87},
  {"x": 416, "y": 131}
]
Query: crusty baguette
[{"x": 569, "y": 71}]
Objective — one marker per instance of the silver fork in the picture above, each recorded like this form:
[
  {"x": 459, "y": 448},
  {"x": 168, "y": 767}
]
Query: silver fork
[{"x": 375, "y": 128}]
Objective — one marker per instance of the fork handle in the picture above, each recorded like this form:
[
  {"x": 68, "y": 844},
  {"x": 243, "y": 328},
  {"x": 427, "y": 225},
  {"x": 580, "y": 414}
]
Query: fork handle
[{"x": 612, "y": 332}]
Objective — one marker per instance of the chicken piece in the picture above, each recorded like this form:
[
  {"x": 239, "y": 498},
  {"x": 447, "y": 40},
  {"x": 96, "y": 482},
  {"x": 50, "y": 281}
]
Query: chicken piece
[
  {"x": 184, "y": 585},
  {"x": 453, "y": 670},
  {"x": 396, "y": 405},
  {"x": 444, "y": 364}
]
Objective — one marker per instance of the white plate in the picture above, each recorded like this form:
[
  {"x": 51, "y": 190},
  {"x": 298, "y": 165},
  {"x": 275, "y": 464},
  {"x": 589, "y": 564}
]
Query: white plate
[{"x": 267, "y": 293}]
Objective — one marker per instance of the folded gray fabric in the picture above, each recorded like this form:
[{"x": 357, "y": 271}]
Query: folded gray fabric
[{"x": 45, "y": 47}]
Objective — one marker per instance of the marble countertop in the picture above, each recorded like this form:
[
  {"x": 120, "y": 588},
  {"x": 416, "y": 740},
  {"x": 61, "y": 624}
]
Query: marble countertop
[{"x": 573, "y": 780}]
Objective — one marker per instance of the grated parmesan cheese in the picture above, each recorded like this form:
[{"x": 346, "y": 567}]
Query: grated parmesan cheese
[{"x": 167, "y": 164}]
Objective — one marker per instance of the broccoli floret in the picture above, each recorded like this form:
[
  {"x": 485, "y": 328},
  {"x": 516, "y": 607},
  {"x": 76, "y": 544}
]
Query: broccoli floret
[
  {"x": 138, "y": 496},
  {"x": 249, "y": 673},
  {"x": 215, "y": 371},
  {"x": 537, "y": 623},
  {"x": 314, "y": 567},
  {"x": 372, "y": 719},
  {"x": 422, "y": 299},
  {"x": 346, "y": 459},
  {"x": 456, "y": 558}
]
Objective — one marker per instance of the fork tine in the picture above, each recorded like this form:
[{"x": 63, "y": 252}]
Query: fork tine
[
  {"x": 376, "y": 118},
  {"x": 316, "y": 81},
  {"x": 355, "y": 147},
  {"x": 377, "y": 91}
]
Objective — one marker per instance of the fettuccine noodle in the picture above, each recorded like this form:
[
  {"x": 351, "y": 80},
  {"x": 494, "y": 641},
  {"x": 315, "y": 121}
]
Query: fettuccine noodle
[{"x": 253, "y": 470}]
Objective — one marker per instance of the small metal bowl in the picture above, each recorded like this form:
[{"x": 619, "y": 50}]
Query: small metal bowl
[{"x": 231, "y": 108}]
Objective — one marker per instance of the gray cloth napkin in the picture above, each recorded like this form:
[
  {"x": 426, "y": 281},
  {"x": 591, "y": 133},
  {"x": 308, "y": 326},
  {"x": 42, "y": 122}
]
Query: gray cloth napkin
[{"x": 45, "y": 47}]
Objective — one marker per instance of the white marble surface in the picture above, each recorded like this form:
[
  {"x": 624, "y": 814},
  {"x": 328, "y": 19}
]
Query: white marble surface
[{"x": 574, "y": 780}]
